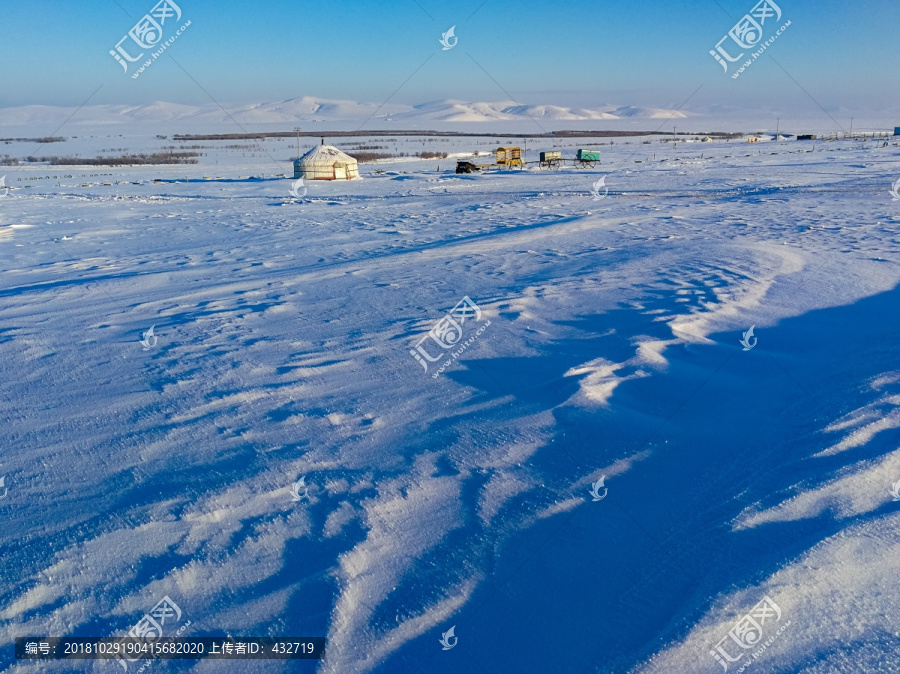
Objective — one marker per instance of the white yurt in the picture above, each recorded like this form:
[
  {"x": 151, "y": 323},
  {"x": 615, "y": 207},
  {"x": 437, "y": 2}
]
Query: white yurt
[{"x": 325, "y": 162}]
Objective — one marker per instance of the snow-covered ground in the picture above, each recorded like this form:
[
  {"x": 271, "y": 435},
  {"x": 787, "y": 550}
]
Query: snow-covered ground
[{"x": 606, "y": 344}]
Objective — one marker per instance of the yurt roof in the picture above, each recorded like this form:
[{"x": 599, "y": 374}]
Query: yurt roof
[{"x": 325, "y": 154}]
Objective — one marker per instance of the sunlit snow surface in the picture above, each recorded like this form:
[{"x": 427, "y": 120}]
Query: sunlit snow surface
[{"x": 283, "y": 333}]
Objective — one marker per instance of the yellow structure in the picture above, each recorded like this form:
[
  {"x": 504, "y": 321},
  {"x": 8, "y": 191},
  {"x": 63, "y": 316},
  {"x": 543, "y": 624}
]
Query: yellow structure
[{"x": 509, "y": 156}]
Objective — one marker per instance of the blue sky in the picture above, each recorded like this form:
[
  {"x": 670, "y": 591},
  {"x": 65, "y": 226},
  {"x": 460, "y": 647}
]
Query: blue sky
[{"x": 580, "y": 52}]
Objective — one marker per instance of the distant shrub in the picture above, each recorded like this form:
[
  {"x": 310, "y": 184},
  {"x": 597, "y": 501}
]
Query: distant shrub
[
  {"x": 367, "y": 157},
  {"x": 129, "y": 159},
  {"x": 45, "y": 139},
  {"x": 433, "y": 155}
]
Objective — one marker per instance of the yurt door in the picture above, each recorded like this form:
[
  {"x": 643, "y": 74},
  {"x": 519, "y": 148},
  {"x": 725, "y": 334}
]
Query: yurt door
[{"x": 340, "y": 171}]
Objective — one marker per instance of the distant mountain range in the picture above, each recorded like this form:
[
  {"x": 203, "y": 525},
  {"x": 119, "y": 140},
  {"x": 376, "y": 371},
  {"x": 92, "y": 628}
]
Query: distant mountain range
[
  {"x": 459, "y": 111},
  {"x": 310, "y": 110},
  {"x": 314, "y": 114}
]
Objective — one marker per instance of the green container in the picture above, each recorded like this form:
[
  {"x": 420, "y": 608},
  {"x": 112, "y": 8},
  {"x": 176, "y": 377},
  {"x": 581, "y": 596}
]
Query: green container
[{"x": 589, "y": 155}]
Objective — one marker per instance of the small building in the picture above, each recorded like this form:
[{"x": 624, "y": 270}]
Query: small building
[
  {"x": 807, "y": 136},
  {"x": 897, "y": 130},
  {"x": 551, "y": 156},
  {"x": 708, "y": 139},
  {"x": 325, "y": 162}
]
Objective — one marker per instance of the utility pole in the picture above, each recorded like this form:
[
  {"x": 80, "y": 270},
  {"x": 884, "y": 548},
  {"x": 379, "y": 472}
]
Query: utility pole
[
  {"x": 297, "y": 129},
  {"x": 777, "y": 129},
  {"x": 851, "y": 128}
]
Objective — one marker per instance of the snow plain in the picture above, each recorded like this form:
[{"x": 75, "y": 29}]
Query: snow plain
[{"x": 284, "y": 328}]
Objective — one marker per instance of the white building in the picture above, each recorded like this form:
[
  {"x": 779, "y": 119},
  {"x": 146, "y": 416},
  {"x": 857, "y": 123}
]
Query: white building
[{"x": 325, "y": 162}]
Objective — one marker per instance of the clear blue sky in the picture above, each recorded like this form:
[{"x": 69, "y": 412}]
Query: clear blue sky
[{"x": 580, "y": 52}]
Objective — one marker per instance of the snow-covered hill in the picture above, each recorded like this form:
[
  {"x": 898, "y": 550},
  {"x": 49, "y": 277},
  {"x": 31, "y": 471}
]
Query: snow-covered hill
[{"x": 308, "y": 109}]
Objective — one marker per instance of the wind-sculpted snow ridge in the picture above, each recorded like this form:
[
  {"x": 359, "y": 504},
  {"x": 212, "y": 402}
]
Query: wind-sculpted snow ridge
[
  {"x": 740, "y": 299},
  {"x": 409, "y": 517},
  {"x": 859, "y": 488},
  {"x": 837, "y": 605},
  {"x": 867, "y": 422}
]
